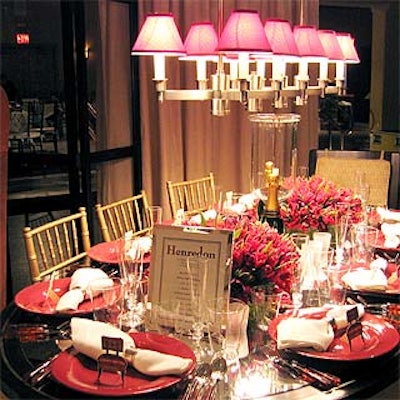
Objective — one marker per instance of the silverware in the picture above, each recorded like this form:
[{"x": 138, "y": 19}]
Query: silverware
[
  {"x": 319, "y": 379},
  {"x": 201, "y": 377},
  {"x": 41, "y": 372},
  {"x": 36, "y": 332}
]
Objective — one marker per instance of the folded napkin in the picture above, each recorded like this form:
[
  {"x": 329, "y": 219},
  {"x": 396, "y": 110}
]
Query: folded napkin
[
  {"x": 80, "y": 283},
  {"x": 86, "y": 338},
  {"x": 388, "y": 215},
  {"x": 339, "y": 314},
  {"x": 365, "y": 279},
  {"x": 392, "y": 234},
  {"x": 139, "y": 247},
  {"x": 204, "y": 216},
  {"x": 249, "y": 200},
  {"x": 304, "y": 333}
]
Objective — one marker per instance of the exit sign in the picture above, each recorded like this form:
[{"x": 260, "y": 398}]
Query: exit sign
[{"x": 22, "y": 38}]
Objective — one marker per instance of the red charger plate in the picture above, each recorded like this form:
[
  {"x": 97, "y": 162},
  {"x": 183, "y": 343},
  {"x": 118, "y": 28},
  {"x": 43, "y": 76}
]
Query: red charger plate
[
  {"x": 108, "y": 253},
  {"x": 380, "y": 337},
  {"x": 79, "y": 372},
  {"x": 33, "y": 299}
]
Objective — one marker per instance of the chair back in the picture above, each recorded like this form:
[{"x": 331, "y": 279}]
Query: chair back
[
  {"x": 341, "y": 166},
  {"x": 119, "y": 217},
  {"x": 193, "y": 196},
  {"x": 57, "y": 245}
]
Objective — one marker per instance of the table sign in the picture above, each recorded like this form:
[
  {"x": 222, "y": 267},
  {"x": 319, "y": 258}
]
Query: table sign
[{"x": 169, "y": 276}]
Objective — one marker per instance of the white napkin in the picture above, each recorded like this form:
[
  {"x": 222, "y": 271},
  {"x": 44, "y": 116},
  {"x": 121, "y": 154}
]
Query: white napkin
[
  {"x": 70, "y": 300},
  {"x": 365, "y": 279},
  {"x": 339, "y": 314},
  {"x": 206, "y": 215},
  {"x": 80, "y": 283},
  {"x": 388, "y": 215},
  {"x": 304, "y": 333},
  {"x": 139, "y": 247},
  {"x": 249, "y": 200},
  {"x": 392, "y": 234},
  {"x": 86, "y": 338}
]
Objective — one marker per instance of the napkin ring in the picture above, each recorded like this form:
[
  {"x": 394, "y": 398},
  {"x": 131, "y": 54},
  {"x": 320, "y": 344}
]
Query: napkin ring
[{"x": 112, "y": 362}]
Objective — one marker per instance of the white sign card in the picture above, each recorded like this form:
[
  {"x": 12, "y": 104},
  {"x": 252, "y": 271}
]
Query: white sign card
[{"x": 177, "y": 256}]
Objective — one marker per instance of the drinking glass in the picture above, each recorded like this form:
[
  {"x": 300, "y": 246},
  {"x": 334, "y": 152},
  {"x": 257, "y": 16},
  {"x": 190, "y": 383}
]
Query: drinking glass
[
  {"x": 323, "y": 237},
  {"x": 228, "y": 327},
  {"x": 365, "y": 238},
  {"x": 106, "y": 296},
  {"x": 155, "y": 214},
  {"x": 301, "y": 241},
  {"x": 266, "y": 307},
  {"x": 131, "y": 270},
  {"x": 198, "y": 275},
  {"x": 344, "y": 240}
]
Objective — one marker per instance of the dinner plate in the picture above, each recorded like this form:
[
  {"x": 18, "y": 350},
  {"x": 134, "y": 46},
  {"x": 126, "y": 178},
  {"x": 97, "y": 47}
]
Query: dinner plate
[
  {"x": 79, "y": 372},
  {"x": 108, "y": 253},
  {"x": 380, "y": 337},
  {"x": 33, "y": 299}
]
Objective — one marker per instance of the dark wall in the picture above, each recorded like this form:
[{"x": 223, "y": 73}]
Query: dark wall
[{"x": 35, "y": 69}]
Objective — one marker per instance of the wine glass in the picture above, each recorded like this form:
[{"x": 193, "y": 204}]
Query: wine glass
[
  {"x": 197, "y": 272},
  {"x": 131, "y": 256}
]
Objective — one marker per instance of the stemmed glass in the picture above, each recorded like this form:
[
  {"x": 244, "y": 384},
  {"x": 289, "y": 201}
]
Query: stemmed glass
[
  {"x": 197, "y": 270},
  {"x": 301, "y": 241},
  {"x": 131, "y": 270}
]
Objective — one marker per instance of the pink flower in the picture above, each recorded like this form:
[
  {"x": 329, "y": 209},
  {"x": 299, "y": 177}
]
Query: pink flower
[
  {"x": 261, "y": 256},
  {"x": 316, "y": 204}
]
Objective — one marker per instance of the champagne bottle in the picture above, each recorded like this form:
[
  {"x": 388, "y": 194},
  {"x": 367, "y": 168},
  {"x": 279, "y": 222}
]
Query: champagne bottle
[{"x": 271, "y": 213}]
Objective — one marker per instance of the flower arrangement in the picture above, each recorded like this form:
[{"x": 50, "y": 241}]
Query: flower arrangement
[
  {"x": 261, "y": 256},
  {"x": 315, "y": 204}
]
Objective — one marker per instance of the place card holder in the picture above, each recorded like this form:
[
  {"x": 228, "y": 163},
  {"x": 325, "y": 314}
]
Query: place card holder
[
  {"x": 354, "y": 328},
  {"x": 112, "y": 362}
]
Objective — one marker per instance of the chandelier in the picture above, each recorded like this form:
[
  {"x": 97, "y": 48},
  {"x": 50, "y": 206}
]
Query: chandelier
[{"x": 254, "y": 61}]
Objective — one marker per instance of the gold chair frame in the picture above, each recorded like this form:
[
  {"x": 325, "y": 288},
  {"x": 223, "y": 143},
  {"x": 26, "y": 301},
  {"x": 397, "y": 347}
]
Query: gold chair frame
[
  {"x": 119, "y": 217},
  {"x": 56, "y": 245},
  {"x": 193, "y": 196}
]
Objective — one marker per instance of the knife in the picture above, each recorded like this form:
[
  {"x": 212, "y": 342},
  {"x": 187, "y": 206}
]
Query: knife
[{"x": 318, "y": 379}]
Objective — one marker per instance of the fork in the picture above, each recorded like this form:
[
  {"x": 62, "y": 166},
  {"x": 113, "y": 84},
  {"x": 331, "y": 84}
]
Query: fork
[{"x": 37, "y": 332}]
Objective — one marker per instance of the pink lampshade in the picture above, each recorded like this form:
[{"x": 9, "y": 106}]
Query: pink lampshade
[
  {"x": 307, "y": 41},
  {"x": 346, "y": 42},
  {"x": 280, "y": 37},
  {"x": 244, "y": 32},
  {"x": 201, "y": 40},
  {"x": 331, "y": 45},
  {"x": 159, "y": 34}
]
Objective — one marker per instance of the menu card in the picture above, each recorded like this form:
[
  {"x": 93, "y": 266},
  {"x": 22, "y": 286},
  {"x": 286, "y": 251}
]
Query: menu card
[{"x": 173, "y": 247}]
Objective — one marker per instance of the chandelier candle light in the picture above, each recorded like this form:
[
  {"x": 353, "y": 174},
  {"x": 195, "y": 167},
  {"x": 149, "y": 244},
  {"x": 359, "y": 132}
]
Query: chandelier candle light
[{"x": 241, "y": 50}]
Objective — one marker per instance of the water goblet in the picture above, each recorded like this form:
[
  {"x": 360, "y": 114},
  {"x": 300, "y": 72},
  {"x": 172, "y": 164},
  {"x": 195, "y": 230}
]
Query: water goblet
[{"x": 131, "y": 258}]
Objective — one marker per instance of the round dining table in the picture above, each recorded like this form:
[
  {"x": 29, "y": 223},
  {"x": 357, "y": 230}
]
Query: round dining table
[{"x": 376, "y": 377}]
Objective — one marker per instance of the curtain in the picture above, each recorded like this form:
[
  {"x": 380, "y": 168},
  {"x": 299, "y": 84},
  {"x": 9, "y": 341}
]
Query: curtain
[
  {"x": 114, "y": 122},
  {"x": 182, "y": 140}
]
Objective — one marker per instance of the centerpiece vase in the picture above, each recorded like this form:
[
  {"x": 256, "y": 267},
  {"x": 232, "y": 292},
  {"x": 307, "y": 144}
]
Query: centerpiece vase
[{"x": 273, "y": 138}]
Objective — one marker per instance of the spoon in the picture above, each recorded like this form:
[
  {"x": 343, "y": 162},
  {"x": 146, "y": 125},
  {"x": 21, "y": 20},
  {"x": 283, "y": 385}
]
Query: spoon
[
  {"x": 201, "y": 377},
  {"x": 219, "y": 368}
]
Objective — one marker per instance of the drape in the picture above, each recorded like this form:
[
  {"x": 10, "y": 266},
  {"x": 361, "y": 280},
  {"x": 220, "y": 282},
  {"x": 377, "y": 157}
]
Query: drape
[
  {"x": 182, "y": 140},
  {"x": 113, "y": 98}
]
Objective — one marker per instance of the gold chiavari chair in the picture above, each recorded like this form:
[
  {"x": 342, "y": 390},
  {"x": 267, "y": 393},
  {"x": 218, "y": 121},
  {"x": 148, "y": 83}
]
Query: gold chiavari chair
[
  {"x": 119, "y": 217},
  {"x": 193, "y": 196},
  {"x": 57, "y": 246}
]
